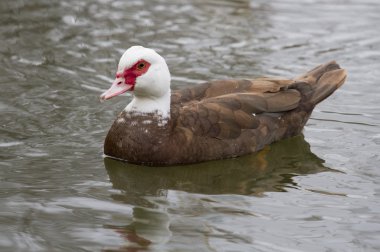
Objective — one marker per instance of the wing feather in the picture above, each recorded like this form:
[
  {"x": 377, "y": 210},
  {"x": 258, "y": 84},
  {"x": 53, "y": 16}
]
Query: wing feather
[{"x": 227, "y": 115}]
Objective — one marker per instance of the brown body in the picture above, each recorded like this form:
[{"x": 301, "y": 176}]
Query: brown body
[{"x": 222, "y": 119}]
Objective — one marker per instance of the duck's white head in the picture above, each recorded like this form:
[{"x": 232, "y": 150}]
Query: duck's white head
[{"x": 145, "y": 73}]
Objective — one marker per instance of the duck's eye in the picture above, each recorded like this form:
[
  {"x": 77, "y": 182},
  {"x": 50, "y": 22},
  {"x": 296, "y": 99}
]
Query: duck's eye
[{"x": 140, "y": 66}]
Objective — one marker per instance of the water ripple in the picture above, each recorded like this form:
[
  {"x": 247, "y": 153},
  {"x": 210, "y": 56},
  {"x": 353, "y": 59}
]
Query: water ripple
[{"x": 56, "y": 57}]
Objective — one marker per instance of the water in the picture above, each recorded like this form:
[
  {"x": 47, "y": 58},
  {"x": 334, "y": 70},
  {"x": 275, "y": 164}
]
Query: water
[{"x": 319, "y": 192}]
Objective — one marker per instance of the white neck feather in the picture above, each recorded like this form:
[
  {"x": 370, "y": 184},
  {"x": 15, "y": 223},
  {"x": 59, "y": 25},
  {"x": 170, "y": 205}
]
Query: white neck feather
[{"x": 150, "y": 104}]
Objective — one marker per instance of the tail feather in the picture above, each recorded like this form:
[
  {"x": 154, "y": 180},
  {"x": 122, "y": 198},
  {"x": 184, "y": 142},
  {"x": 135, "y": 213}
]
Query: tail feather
[{"x": 321, "y": 82}]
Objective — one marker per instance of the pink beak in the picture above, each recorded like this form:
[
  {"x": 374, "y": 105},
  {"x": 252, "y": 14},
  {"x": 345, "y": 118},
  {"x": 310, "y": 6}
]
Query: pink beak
[{"x": 118, "y": 87}]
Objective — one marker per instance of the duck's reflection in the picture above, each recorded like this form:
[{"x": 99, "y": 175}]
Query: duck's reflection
[
  {"x": 269, "y": 170},
  {"x": 272, "y": 169},
  {"x": 150, "y": 227}
]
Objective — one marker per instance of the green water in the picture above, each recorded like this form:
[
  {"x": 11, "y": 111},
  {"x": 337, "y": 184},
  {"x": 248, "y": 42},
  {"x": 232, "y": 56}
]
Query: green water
[{"x": 317, "y": 192}]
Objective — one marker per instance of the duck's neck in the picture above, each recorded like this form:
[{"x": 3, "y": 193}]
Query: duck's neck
[{"x": 149, "y": 104}]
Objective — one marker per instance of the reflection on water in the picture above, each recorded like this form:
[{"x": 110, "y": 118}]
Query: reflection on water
[
  {"x": 56, "y": 57},
  {"x": 270, "y": 170},
  {"x": 149, "y": 228}
]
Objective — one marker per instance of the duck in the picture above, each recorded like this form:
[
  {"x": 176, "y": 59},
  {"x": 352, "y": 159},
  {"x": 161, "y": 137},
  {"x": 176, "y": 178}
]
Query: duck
[{"x": 214, "y": 120}]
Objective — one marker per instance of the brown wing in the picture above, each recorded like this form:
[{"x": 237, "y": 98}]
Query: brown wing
[
  {"x": 225, "y": 116},
  {"x": 223, "y": 87}
]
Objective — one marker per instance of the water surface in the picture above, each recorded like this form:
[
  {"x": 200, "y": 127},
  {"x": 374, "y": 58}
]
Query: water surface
[{"x": 317, "y": 192}]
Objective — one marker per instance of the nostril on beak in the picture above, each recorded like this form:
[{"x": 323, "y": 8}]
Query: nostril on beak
[{"x": 119, "y": 83}]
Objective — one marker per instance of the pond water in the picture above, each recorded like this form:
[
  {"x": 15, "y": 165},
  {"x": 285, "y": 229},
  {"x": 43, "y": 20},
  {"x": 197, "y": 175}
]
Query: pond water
[{"x": 317, "y": 192}]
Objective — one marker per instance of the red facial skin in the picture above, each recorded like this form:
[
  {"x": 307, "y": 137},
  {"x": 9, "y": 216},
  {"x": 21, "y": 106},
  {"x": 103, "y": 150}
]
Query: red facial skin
[{"x": 130, "y": 75}]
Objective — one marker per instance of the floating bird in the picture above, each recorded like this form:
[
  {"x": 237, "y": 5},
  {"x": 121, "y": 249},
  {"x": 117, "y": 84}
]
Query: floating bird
[{"x": 213, "y": 120}]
